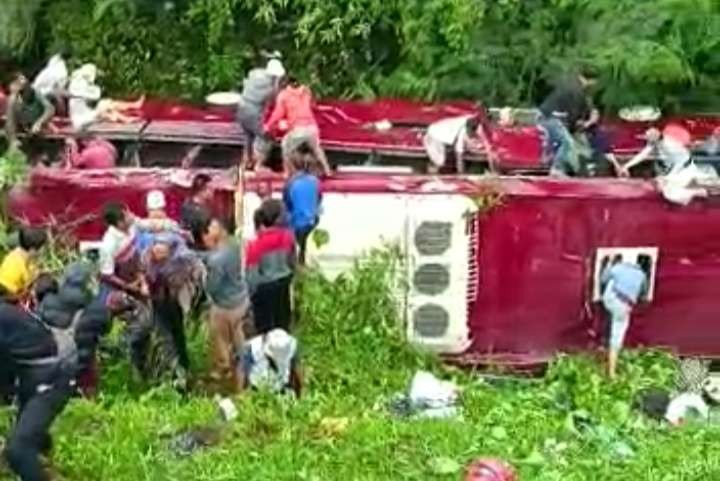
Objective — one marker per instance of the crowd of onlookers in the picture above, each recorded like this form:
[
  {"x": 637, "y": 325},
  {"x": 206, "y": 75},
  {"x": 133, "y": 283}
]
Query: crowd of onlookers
[{"x": 152, "y": 274}]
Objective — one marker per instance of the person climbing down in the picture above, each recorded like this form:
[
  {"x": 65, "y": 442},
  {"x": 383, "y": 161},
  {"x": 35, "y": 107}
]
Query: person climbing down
[
  {"x": 302, "y": 197},
  {"x": 271, "y": 361},
  {"x": 270, "y": 264},
  {"x": 19, "y": 267},
  {"x": 293, "y": 114},
  {"x": 622, "y": 283},
  {"x": 84, "y": 93},
  {"x": 230, "y": 310},
  {"x": 450, "y": 136},
  {"x": 259, "y": 90},
  {"x": 52, "y": 81}
]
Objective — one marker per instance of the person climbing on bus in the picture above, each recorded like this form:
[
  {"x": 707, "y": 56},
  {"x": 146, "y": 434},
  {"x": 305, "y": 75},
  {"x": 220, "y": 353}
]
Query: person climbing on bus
[
  {"x": 19, "y": 268},
  {"x": 671, "y": 149},
  {"x": 270, "y": 265},
  {"x": 271, "y": 361},
  {"x": 622, "y": 284},
  {"x": 25, "y": 110},
  {"x": 46, "y": 351},
  {"x": 86, "y": 105},
  {"x": 293, "y": 115},
  {"x": 260, "y": 88},
  {"x": 568, "y": 108},
  {"x": 51, "y": 82},
  {"x": 231, "y": 318},
  {"x": 450, "y": 138},
  {"x": 197, "y": 209},
  {"x": 90, "y": 153},
  {"x": 302, "y": 197}
]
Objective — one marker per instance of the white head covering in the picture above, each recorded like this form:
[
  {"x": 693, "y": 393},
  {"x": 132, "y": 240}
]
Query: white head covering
[
  {"x": 278, "y": 346},
  {"x": 87, "y": 72},
  {"x": 275, "y": 68},
  {"x": 155, "y": 200}
]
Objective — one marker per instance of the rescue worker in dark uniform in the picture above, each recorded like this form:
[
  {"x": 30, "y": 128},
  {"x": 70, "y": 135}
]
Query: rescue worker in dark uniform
[{"x": 46, "y": 351}]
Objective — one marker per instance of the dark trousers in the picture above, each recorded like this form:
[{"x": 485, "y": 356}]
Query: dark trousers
[
  {"x": 301, "y": 237},
  {"x": 169, "y": 319},
  {"x": 31, "y": 436},
  {"x": 271, "y": 306}
]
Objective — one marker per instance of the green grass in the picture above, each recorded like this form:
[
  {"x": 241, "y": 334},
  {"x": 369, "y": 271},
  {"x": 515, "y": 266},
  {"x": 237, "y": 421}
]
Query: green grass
[{"x": 355, "y": 357}]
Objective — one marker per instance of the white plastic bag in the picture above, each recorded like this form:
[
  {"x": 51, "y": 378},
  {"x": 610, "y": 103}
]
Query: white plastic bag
[{"x": 428, "y": 392}]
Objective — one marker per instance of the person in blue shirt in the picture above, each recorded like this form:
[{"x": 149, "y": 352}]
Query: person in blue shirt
[
  {"x": 302, "y": 197},
  {"x": 623, "y": 284}
]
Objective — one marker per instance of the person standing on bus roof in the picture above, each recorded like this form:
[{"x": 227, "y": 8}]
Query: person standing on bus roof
[
  {"x": 259, "y": 90},
  {"x": 623, "y": 283},
  {"x": 567, "y": 109},
  {"x": 293, "y": 113}
]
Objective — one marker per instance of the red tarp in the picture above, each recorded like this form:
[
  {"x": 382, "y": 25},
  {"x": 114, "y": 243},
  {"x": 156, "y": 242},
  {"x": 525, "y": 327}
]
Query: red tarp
[{"x": 536, "y": 250}]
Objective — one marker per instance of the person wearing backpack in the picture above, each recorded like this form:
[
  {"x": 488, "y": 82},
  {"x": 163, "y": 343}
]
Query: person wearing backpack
[{"x": 46, "y": 351}]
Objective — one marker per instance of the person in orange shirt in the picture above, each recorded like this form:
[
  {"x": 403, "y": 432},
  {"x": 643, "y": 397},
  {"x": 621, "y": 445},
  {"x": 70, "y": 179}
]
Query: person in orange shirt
[
  {"x": 293, "y": 114},
  {"x": 19, "y": 267}
]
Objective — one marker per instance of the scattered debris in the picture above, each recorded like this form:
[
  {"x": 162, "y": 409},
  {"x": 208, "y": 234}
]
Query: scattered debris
[
  {"x": 228, "y": 411},
  {"x": 685, "y": 407},
  {"x": 188, "y": 442},
  {"x": 428, "y": 397}
]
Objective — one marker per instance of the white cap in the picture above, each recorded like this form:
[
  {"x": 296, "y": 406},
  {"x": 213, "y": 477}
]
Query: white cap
[
  {"x": 155, "y": 200},
  {"x": 275, "y": 68}
]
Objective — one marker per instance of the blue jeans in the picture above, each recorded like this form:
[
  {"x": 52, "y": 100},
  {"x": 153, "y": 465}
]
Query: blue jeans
[{"x": 559, "y": 146}]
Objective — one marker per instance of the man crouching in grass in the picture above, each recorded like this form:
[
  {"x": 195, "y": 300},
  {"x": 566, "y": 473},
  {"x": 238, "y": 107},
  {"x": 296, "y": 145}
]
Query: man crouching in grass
[{"x": 271, "y": 361}]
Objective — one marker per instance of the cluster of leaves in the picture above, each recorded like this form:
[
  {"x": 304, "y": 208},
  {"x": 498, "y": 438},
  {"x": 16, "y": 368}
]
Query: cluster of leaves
[{"x": 663, "y": 52}]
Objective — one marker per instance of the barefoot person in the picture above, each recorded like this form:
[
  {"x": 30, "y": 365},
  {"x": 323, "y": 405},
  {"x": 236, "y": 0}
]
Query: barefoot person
[
  {"x": 86, "y": 104},
  {"x": 623, "y": 284}
]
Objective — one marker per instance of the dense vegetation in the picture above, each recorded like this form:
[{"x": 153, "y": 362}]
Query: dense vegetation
[{"x": 502, "y": 52}]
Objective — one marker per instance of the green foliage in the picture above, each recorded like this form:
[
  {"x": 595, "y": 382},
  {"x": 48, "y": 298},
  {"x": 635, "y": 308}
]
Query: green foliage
[
  {"x": 663, "y": 52},
  {"x": 13, "y": 168}
]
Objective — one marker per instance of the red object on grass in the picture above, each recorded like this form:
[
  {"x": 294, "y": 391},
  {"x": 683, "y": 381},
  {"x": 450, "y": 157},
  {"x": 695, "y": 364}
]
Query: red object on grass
[{"x": 490, "y": 469}]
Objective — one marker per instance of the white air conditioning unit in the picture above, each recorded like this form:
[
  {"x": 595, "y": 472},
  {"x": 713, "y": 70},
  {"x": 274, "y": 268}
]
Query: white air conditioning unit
[{"x": 439, "y": 272}]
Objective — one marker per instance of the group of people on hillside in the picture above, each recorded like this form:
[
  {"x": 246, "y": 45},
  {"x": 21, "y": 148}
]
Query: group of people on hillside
[{"x": 151, "y": 274}]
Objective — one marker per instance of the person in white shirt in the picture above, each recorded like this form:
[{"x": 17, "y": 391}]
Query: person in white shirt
[
  {"x": 671, "y": 149},
  {"x": 86, "y": 105},
  {"x": 449, "y": 135},
  {"x": 52, "y": 81}
]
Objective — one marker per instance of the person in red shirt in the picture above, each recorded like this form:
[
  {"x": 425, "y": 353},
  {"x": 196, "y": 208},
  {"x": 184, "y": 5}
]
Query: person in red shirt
[
  {"x": 96, "y": 153},
  {"x": 270, "y": 261},
  {"x": 293, "y": 114}
]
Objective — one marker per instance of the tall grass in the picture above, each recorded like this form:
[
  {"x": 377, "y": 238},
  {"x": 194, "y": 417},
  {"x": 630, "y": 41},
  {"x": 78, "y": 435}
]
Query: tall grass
[{"x": 355, "y": 357}]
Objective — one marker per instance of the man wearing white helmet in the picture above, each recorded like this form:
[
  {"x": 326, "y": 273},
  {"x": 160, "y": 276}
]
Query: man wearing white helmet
[{"x": 259, "y": 89}]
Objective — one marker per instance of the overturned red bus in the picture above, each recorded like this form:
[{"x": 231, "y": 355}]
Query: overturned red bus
[{"x": 500, "y": 269}]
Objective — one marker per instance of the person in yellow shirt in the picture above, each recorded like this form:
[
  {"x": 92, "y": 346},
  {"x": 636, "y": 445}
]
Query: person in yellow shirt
[{"x": 18, "y": 269}]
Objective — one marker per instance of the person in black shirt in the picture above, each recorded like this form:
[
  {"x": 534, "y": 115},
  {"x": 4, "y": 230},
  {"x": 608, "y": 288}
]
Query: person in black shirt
[
  {"x": 45, "y": 352},
  {"x": 567, "y": 109},
  {"x": 196, "y": 211}
]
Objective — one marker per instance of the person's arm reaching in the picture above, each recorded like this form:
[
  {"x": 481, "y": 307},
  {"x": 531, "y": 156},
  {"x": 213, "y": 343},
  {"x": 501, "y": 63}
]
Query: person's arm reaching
[
  {"x": 279, "y": 113},
  {"x": 641, "y": 157}
]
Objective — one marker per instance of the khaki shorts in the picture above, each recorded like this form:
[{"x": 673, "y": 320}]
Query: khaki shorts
[{"x": 293, "y": 140}]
